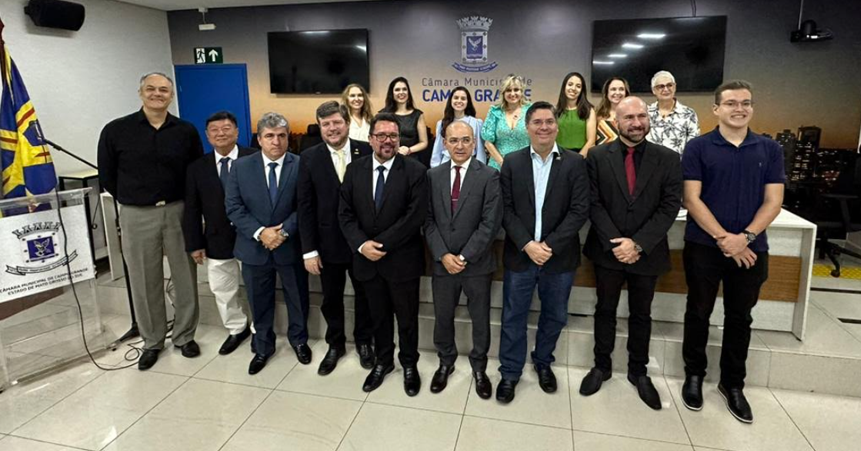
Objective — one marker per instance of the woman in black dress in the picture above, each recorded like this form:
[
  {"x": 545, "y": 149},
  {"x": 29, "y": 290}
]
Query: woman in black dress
[{"x": 411, "y": 121}]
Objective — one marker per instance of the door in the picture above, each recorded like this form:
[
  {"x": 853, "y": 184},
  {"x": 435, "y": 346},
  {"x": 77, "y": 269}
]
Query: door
[{"x": 207, "y": 88}]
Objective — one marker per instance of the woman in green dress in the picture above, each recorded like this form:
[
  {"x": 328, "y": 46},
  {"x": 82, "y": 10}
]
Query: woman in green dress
[
  {"x": 576, "y": 117},
  {"x": 504, "y": 130}
]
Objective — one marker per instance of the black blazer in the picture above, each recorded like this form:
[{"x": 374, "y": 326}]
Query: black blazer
[
  {"x": 319, "y": 196},
  {"x": 645, "y": 217},
  {"x": 398, "y": 223},
  {"x": 204, "y": 197},
  {"x": 566, "y": 208}
]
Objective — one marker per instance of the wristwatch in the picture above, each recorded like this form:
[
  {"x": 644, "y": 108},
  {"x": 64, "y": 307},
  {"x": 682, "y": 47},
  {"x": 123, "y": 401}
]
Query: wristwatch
[
  {"x": 749, "y": 236},
  {"x": 284, "y": 233},
  {"x": 638, "y": 248}
]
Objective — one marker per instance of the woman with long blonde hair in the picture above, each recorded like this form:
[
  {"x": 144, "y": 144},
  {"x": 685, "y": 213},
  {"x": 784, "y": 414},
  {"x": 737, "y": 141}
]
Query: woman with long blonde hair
[
  {"x": 356, "y": 99},
  {"x": 504, "y": 130}
]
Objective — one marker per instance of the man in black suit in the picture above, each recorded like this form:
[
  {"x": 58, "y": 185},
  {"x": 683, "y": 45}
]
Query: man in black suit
[
  {"x": 545, "y": 192},
  {"x": 382, "y": 210},
  {"x": 464, "y": 216},
  {"x": 325, "y": 251},
  {"x": 213, "y": 241},
  {"x": 635, "y": 197}
]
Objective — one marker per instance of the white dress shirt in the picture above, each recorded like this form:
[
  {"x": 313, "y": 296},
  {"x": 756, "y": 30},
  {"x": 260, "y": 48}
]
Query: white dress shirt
[
  {"x": 347, "y": 160},
  {"x": 376, "y": 175},
  {"x": 463, "y": 169},
  {"x": 233, "y": 155}
]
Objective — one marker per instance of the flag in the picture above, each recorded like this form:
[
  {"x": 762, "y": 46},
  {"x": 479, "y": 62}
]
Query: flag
[{"x": 26, "y": 162}]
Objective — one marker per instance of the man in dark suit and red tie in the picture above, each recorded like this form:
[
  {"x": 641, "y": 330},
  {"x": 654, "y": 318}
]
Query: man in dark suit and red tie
[
  {"x": 261, "y": 202},
  {"x": 635, "y": 197},
  {"x": 325, "y": 251},
  {"x": 211, "y": 241},
  {"x": 383, "y": 207}
]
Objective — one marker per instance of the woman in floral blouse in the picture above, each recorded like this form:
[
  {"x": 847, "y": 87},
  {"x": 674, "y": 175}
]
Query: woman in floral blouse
[{"x": 504, "y": 130}]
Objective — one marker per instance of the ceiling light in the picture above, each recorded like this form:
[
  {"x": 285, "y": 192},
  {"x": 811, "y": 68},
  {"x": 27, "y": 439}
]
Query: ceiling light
[
  {"x": 617, "y": 55},
  {"x": 603, "y": 63},
  {"x": 628, "y": 45},
  {"x": 651, "y": 35}
]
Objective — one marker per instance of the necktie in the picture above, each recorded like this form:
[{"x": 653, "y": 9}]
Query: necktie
[
  {"x": 340, "y": 168},
  {"x": 224, "y": 171},
  {"x": 273, "y": 182},
  {"x": 381, "y": 183},
  {"x": 455, "y": 189},
  {"x": 630, "y": 171}
]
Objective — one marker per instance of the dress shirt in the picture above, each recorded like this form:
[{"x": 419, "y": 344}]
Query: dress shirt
[
  {"x": 639, "y": 150},
  {"x": 376, "y": 175},
  {"x": 144, "y": 166},
  {"x": 266, "y": 170},
  {"x": 540, "y": 176},
  {"x": 233, "y": 155},
  {"x": 360, "y": 130},
  {"x": 674, "y": 130},
  {"x": 463, "y": 169},
  {"x": 347, "y": 160}
]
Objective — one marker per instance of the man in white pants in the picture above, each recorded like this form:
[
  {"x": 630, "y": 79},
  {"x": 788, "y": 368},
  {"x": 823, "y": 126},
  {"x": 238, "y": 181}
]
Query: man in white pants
[{"x": 212, "y": 242}]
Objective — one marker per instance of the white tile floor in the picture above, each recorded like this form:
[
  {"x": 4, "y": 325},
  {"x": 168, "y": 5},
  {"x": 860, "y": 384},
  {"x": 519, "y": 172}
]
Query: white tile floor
[{"x": 211, "y": 403}]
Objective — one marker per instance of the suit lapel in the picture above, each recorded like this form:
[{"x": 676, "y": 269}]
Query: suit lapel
[
  {"x": 329, "y": 164},
  {"x": 618, "y": 166},
  {"x": 466, "y": 185},
  {"x": 444, "y": 185},
  {"x": 365, "y": 184},
  {"x": 259, "y": 177},
  {"x": 393, "y": 179},
  {"x": 647, "y": 166},
  {"x": 530, "y": 177},
  {"x": 282, "y": 179}
]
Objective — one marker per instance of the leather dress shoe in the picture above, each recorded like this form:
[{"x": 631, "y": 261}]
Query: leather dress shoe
[
  {"x": 148, "y": 359},
  {"x": 736, "y": 403},
  {"x": 257, "y": 363},
  {"x": 646, "y": 390},
  {"x": 366, "y": 355},
  {"x": 505, "y": 391},
  {"x": 375, "y": 378},
  {"x": 303, "y": 353},
  {"x": 190, "y": 349},
  {"x": 233, "y": 341},
  {"x": 412, "y": 380},
  {"x": 592, "y": 382},
  {"x": 440, "y": 378},
  {"x": 330, "y": 361},
  {"x": 546, "y": 378},
  {"x": 692, "y": 392},
  {"x": 483, "y": 387}
]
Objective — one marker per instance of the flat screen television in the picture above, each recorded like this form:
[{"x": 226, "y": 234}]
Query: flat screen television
[
  {"x": 318, "y": 62},
  {"x": 692, "y": 48}
]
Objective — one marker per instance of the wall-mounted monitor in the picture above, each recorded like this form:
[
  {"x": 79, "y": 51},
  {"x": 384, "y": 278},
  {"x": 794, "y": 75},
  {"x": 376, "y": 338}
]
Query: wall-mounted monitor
[
  {"x": 692, "y": 48},
  {"x": 318, "y": 62}
]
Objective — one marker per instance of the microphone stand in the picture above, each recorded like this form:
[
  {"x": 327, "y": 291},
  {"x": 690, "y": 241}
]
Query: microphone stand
[{"x": 133, "y": 329}]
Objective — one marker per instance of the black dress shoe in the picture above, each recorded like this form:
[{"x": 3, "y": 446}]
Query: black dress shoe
[
  {"x": 592, "y": 382},
  {"x": 190, "y": 349},
  {"x": 412, "y": 380},
  {"x": 646, "y": 390},
  {"x": 148, "y": 359},
  {"x": 257, "y": 363},
  {"x": 331, "y": 360},
  {"x": 375, "y": 378},
  {"x": 233, "y": 341},
  {"x": 366, "y": 355},
  {"x": 440, "y": 378},
  {"x": 303, "y": 353},
  {"x": 505, "y": 391},
  {"x": 546, "y": 378},
  {"x": 483, "y": 387},
  {"x": 736, "y": 403},
  {"x": 692, "y": 392}
]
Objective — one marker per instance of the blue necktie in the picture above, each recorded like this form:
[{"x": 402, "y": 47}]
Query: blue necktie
[
  {"x": 224, "y": 171},
  {"x": 273, "y": 182},
  {"x": 381, "y": 183}
]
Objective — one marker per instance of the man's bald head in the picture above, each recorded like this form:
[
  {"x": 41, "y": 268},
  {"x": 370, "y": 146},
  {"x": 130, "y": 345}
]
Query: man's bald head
[{"x": 632, "y": 116}]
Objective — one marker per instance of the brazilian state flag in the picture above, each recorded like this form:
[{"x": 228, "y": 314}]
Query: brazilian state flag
[{"x": 26, "y": 162}]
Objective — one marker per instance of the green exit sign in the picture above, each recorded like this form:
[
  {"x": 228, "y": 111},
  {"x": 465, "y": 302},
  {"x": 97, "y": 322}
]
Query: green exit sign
[{"x": 208, "y": 55}]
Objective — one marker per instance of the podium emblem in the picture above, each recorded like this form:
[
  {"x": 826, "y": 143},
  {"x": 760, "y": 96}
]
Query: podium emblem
[{"x": 40, "y": 246}]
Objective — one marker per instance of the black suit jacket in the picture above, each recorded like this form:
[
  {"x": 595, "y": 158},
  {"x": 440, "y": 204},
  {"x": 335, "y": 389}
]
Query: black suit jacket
[
  {"x": 566, "y": 208},
  {"x": 398, "y": 223},
  {"x": 645, "y": 217},
  {"x": 204, "y": 197},
  {"x": 319, "y": 196}
]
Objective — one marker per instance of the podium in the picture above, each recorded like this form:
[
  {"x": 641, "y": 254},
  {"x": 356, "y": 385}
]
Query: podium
[{"x": 44, "y": 239}]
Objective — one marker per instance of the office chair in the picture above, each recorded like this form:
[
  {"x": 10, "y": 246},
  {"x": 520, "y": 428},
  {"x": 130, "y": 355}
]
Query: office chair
[
  {"x": 311, "y": 138},
  {"x": 838, "y": 213}
]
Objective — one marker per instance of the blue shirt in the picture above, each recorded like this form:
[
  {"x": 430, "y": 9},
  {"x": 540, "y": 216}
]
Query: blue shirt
[
  {"x": 540, "y": 176},
  {"x": 733, "y": 181}
]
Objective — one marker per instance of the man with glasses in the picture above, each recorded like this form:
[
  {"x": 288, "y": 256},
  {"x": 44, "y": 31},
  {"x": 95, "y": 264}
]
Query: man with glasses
[
  {"x": 383, "y": 207},
  {"x": 464, "y": 216},
  {"x": 545, "y": 193},
  {"x": 733, "y": 190},
  {"x": 211, "y": 241},
  {"x": 673, "y": 124}
]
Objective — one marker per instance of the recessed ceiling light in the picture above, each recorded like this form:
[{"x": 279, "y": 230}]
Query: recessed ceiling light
[
  {"x": 628, "y": 45},
  {"x": 617, "y": 55},
  {"x": 651, "y": 35},
  {"x": 603, "y": 63}
]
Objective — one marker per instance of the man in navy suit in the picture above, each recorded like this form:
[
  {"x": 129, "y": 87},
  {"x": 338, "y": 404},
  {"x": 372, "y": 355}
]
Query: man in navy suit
[{"x": 261, "y": 202}]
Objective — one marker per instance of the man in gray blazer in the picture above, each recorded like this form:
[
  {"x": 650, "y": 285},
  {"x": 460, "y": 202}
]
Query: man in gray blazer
[{"x": 464, "y": 216}]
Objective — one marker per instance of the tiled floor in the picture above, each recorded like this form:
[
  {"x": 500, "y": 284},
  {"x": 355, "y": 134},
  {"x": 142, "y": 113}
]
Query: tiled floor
[{"x": 211, "y": 403}]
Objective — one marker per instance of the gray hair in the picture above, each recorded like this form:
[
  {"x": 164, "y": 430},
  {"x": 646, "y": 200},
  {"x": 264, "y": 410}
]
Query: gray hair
[
  {"x": 272, "y": 120},
  {"x": 662, "y": 73},
  {"x": 150, "y": 74}
]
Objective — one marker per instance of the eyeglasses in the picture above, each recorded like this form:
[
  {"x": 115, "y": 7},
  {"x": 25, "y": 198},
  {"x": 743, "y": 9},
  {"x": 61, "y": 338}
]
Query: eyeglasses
[
  {"x": 384, "y": 136},
  {"x": 732, "y": 104},
  {"x": 226, "y": 129},
  {"x": 466, "y": 140},
  {"x": 669, "y": 86}
]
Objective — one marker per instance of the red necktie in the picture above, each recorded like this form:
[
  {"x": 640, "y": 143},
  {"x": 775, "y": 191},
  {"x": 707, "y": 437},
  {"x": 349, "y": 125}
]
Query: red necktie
[
  {"x": 630, "y": 171},
  {"x": 455, "y": 189}
]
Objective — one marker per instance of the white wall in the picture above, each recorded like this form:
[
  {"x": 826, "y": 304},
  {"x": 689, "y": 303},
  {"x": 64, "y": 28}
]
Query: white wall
[{"x": 79, "y": 81}]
